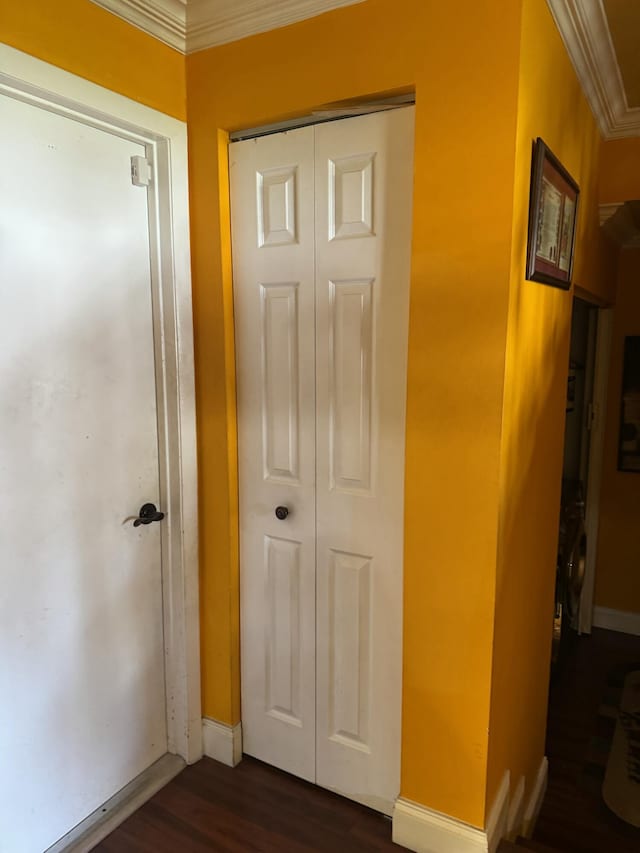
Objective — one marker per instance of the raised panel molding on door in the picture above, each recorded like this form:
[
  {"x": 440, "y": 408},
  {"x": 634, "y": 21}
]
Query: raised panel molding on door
[
  {"x": 350, "y": 649},
  {"x": 351, "y": 197},
  {"x": 350, "y": 335},
  {"x": 276, "y": 206},
  {"x": 280, "y": 376},
  {"x": 282, "y": 638},
  {"x": 321, "y": 221}
]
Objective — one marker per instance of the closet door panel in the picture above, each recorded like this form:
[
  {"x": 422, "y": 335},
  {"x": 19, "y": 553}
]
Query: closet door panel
[
  {"x": 273, "y": 235},
  {"x": 363, "y": 187}
]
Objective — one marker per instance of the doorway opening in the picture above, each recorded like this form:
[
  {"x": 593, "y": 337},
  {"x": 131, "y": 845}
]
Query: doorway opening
[
  {"x": 590, "y": 667},
  {"x": 572, "y": 538}
]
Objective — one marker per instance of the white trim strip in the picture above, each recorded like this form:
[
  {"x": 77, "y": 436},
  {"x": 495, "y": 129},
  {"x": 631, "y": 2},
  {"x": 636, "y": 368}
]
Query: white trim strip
[
  {"x": 322, "y": 116},
  {"x": 515, "y": 820},
  {"x": 585, "y": 31},
  {"x": 200, "y": 24},
  {"x": 534, "y": 803},
  {"x": 596, "y": 451},
  {"x": 222, "y": 742},
  {"x": 424, "y": 830},
  {"x": 122, "y": 805},
  {"x": 211, "y": 22},
  {"x": 497, "y": 822},
  {"x": 616, "y": 620},
  {"x": 606, "y": 211},
  {"x": 165, "y": 20}
]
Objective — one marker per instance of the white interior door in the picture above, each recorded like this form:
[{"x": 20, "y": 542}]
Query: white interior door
[
  {"x": 81, "y": 630},
  {"x": 364, "y": 182},
  {"x": 321, "y": 222}
]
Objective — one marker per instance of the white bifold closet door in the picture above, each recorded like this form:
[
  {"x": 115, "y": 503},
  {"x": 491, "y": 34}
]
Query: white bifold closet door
[{"x": 321, "y": 220}]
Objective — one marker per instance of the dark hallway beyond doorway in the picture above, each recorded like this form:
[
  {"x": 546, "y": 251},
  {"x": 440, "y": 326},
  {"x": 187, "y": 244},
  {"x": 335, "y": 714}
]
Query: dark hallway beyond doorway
[{"x": 574, "y": 817}]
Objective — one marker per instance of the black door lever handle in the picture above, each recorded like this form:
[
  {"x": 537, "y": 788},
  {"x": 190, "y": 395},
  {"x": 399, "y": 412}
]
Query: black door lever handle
[{"x": 147, "y": 514}]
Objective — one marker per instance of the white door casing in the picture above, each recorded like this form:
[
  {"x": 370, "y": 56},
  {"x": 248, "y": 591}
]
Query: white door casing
[
  {"x": 602, "y": 359},
  {"x": 60, "y": 395},
  {"x": 321, "y": 303}
]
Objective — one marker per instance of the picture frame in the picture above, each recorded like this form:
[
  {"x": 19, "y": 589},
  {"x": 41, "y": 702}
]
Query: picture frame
[
  {"x": 629, "y": 430},
  {"x": 553, "y": 214}
]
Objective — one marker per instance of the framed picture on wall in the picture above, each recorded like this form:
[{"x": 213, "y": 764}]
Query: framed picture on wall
[
  {"x": 553, "y": 213},
  {"x": 629, "y": 435}
]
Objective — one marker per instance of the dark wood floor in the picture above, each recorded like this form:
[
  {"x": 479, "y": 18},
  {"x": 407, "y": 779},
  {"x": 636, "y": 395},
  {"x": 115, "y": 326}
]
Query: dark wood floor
[
  {"x": 574, "y": 819},
  {"x": 210, "y": 807}
]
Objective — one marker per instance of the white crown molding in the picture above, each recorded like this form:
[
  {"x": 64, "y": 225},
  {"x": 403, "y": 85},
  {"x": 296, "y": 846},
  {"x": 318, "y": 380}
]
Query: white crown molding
[
  {"x": 192, "y": 25},
  {"x": 585, "y": 31},
  {"x": 165, "y": 20},
  {"x": 607, "y": 211},
  {"x": 622, "y": 223},
  {"x": 214, "y": 22}
]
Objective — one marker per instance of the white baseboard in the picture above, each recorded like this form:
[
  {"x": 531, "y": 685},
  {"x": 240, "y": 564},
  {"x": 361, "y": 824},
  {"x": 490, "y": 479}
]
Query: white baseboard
[
  {"x": 515, "y": 820},
  {"x": 616, "y": 620},
  {"x": 426, "y": 831},
  {"x": 534, "y": 803},
  {"x": 86, "y": 835},
  {"x": 222, "y": 742},
  {"x": 497, "y": 821}
]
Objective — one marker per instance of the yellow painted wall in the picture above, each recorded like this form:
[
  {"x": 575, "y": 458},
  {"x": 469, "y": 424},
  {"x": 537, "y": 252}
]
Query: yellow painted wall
[
  {"x": 620, "y": 171},
  {"x": 461, "y": 266},
  {"x": 618, "y": 561},
  {"x": 483, "y": 470},
  {"x": 88, "y": 41},
  {"x": 551, "y": 105}
]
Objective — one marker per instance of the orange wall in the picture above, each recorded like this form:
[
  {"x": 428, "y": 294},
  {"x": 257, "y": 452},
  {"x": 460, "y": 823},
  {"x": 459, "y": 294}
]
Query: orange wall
[
  {"x": 464, "y": 167},
  {"x": 618, "y": 561},
  {"x": 483, "y": 471},
  {"x": 551, "y": 105},
  {"x": 620, "y": 171},
  {"x": 88, "y": 41}
]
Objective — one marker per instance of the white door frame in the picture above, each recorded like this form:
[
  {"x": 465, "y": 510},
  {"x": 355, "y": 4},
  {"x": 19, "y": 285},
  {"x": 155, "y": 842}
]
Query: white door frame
[
  {"x": 35, "y": 82},
  {"x": 596, "y": 449}
]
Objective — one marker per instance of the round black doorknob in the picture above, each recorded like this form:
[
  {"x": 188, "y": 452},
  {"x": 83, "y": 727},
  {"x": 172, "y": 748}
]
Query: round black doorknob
[
  {"x": 282, "y": 512},
  {"x": 148, "y": 513}
]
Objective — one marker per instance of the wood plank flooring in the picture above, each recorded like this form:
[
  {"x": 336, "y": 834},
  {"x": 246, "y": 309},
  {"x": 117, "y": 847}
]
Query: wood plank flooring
[
  {"x": 210, "y": 807},
  {"x": 574, "y": 818}
]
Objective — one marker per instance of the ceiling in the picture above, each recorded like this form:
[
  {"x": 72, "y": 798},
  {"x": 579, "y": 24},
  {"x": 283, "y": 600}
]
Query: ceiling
[
  {"x": 623, "y": 17},
  {"x": 602, "y": 38},
  {"x": 191, "y": 25}
]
